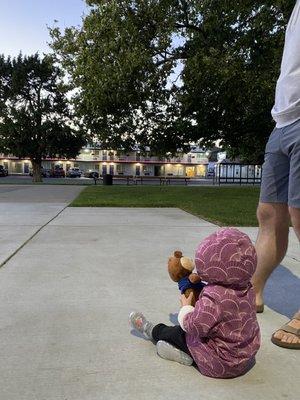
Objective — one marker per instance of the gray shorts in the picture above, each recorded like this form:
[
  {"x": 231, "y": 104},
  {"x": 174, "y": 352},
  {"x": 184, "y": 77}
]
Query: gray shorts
[{"x": 281, "y": 169}]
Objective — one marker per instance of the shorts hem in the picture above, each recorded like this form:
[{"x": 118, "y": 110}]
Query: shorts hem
[
  {"x": 264, "y": 200},
  {"x": 294, "y": 204}
]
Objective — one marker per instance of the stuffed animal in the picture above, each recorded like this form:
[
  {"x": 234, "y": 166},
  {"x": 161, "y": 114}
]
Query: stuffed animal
[{"x": 180, "y": 270}]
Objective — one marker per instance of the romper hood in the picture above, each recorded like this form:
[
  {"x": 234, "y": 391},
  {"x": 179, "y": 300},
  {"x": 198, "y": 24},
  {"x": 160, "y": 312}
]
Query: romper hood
[{"x": 227, "y": 257}]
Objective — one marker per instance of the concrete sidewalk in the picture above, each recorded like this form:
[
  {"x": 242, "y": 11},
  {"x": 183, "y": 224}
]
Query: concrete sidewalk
[
  {"x": 26, "y": 209},
  {"x": 64, "y": 304}
]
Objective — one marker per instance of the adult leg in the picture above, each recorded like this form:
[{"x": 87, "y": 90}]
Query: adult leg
[
  {"x": 295, "y": 218},
  {"x": 287, "y": 337},
  {"x": 271, "y": 244}
]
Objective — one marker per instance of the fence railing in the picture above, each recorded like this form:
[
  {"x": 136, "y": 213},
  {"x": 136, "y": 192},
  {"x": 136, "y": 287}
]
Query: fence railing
[{"x": 231, "y": 173}]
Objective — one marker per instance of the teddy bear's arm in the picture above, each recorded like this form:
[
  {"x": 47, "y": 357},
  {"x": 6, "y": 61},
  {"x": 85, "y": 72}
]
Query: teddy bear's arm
[{"x": 194, "y": 278}]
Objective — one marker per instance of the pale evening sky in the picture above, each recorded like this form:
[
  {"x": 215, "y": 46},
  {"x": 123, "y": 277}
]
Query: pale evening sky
[{"x": 23, "y": 23}]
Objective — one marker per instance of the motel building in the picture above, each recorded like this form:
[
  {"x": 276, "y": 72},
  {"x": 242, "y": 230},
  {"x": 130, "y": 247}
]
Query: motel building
[{"x": 193, "y": 164}]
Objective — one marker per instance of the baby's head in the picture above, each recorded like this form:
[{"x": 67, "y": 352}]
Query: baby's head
[{"x": 227, "y": 257}]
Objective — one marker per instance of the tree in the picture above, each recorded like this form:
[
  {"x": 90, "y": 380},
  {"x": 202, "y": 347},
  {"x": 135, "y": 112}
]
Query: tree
[
  {"x": 239, "y": 63},
  {"x": 167, "y": 72},
  {"x": 35, "y": 118}
]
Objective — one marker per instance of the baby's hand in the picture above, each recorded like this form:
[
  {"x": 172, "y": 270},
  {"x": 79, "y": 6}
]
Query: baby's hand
[{"x": 186, "y": 301}]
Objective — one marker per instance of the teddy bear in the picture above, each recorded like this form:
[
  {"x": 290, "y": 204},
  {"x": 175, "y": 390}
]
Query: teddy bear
[{"x": 181, "y": 271}]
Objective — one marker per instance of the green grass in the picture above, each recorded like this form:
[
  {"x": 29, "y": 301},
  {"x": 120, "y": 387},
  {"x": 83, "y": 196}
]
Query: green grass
[{"x": 224, "y": 206}]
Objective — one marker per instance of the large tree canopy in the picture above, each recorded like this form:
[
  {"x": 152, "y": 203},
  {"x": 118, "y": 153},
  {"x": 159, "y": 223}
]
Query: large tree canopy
[
  {"x": 163, "y": 73},
  {"x": 35, "y": 118}
]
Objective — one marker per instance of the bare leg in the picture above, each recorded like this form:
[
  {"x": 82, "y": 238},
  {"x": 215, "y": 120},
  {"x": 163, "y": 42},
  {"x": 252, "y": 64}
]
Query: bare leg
[
  {"x": 295, "y": 322},
  {"x": 271, "y": 244}
]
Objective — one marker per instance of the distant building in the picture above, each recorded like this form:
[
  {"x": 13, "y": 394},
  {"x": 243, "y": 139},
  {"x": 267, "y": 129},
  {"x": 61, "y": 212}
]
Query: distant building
[{"x": 192, "y": 164}]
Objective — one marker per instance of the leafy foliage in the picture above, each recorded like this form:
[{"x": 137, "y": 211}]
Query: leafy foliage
[
  {"x": 167, "y": 72},
  {"x": 35, "y": 118}
]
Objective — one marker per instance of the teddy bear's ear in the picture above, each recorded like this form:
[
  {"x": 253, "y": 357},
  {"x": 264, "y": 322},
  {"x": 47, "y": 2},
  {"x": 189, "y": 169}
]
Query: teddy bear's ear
[
  {"x": 187, "y": 263},
  {"x": 177, "y": 254}
]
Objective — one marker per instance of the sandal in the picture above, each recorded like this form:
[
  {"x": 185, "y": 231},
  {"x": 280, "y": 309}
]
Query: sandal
[{"x": 288, "y": 329}]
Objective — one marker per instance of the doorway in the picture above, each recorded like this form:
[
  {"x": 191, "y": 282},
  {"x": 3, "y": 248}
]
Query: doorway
[{"x": 157, "y": 170}]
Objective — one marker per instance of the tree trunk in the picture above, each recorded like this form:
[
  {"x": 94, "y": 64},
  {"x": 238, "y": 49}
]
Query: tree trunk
[{"x": 36, "y": 171}]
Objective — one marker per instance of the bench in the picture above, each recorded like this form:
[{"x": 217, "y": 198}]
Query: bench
[
  {"x": 163, "y": 180},
  {"x": 180, "y": 179}
]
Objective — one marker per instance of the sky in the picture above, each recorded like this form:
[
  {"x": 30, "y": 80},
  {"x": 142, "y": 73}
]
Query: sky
[{"x": 23, "y": 23}]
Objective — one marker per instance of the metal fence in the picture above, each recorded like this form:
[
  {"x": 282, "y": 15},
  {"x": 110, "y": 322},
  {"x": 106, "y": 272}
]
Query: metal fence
[{"x": 232, "y": 173}]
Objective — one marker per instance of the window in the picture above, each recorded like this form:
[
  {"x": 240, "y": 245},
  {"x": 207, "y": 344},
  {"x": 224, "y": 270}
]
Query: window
[
  {"x": 180, "y": 171},
  {"x": 201, "y": 156},
  {"x": 146, "y": 170},
  {"x": 120, "y": 169},
  {"x": 26, "y": 168},
  {"x": 17, "y": 167},
  {"x": 201, "y": 170}
]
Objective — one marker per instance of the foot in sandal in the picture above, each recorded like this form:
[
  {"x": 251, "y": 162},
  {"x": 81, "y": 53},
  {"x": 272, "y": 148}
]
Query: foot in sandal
[{"x": 288, "y": 336}]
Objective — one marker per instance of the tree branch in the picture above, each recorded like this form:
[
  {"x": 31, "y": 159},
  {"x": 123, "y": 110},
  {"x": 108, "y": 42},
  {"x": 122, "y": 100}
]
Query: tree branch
[
  {"x": 190, "y": 26},
  {"x": 173, "y": 58}
]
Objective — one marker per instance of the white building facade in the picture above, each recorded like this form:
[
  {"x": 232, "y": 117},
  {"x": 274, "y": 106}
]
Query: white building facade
[{"x": 192, "y": 164}]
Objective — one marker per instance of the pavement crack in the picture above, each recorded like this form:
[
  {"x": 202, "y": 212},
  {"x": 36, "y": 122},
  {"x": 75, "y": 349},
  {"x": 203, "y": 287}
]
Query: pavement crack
[{"x": 31, "y": 237}]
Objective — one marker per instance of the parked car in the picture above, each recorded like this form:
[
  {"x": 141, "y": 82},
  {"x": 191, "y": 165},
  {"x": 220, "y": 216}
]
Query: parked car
[
  {"x": 3, "y": 171},
  {"x": 74, "y": 173},
  {"x": 57, "y": 172},
  {"x": 90, "y": 173},
  {"x": 44, "y": 172}
]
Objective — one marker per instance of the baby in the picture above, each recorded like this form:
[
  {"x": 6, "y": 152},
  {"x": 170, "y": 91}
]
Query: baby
[{"x": 220, "y": 334}]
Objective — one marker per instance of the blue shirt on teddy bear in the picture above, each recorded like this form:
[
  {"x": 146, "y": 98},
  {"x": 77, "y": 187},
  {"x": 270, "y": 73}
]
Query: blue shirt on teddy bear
[{"x": 185, "y": 284}]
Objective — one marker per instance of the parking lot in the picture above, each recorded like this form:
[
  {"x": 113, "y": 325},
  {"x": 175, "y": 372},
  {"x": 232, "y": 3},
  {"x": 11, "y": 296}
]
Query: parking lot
[
  {"x": 84, "y": 181},
  {"x": 27, "y": 180}
]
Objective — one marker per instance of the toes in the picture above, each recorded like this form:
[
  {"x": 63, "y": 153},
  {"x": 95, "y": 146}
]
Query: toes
[
  {"x": 296, "y": 339},
  {"x": 279, "y": 335},
  {"x": 286, "y": 337},
  {"x": 289, "y": 338}
]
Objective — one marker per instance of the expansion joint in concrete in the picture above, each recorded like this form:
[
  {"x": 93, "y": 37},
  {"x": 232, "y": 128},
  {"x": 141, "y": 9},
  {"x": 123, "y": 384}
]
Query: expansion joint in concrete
[{"x": 31, "y": 237}]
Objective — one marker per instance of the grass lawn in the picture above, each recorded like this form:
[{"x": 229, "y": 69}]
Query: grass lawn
[{"x": 224, "y": 206}]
